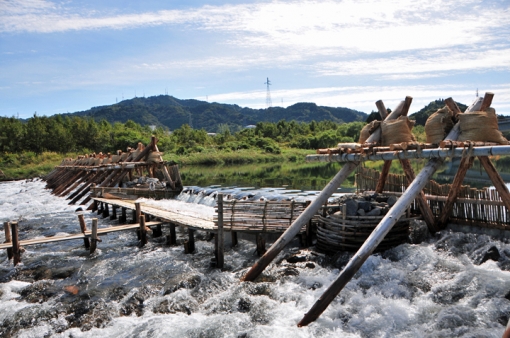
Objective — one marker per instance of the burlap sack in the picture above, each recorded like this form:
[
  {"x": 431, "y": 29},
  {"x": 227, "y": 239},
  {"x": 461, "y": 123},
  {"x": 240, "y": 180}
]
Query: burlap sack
[
  {"x": 438, "y": 125},
  {"x": 481, "y": 126},
  {"x": 154, "y": 157},
  {"x": 397, "y": 131},
  {"x": 368, "y": 130}
]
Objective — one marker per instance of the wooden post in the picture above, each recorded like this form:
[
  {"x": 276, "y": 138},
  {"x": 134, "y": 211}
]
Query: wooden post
[
  {"x": 382, "y": 179},
  {"x": 123, "y": 216},
  {"x": 378, "y": 233},
  {"x": 114, "y": 212},
  {"x": 133, "y": 217},
  {"x": 426, "y": 213},
  {"x": 233, "y": 236},
  {"x": 100, "y": 209},
  {"x": 189, "y": 245},
  {"x": 16, "y": 254},
  {"x": 93, "y": 238},
  {"x": 172, "y": 238},
  {"x": 138, "y": 212},
  {"x": 464, "y": 166},
  {"x": 106, "y": 210},
  {"x": 7, "y": 230},
  {"x": 498, "y": 182},
  {"x": 94, "y": 206},
  {"x": 220, "y": 235},
  {"x": 83, "y": 228},
  {"x": 261, "y": 244},
  {"x": 143, "y": 232}
]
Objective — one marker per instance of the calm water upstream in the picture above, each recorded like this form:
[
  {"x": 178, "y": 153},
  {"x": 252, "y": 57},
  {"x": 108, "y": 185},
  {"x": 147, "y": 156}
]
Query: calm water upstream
[{"x": 443, "y": 287}]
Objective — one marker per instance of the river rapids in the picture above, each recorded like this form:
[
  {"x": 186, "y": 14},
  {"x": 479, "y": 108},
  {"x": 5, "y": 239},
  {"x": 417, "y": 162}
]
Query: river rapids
[{"x": 450, "y": 285}]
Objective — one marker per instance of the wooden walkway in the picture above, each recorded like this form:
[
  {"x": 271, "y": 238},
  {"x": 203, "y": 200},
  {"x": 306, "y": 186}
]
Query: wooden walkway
[
  {"x": 191, "y": 222},
  {"x": 87, "y": 234}
]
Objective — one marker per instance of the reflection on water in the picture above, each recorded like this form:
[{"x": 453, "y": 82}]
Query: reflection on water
[
  {"x": 293, "y": 176},
  {"x": 315, "y": 176}
]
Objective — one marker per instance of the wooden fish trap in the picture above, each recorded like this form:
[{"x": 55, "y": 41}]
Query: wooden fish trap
[
  {"x": 337, "y": 233},
  {"x": 75, "y": 178}
]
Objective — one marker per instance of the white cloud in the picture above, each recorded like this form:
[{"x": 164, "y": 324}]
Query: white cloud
[
  {"x": 322, "y": 26},
  {"x": 363, "y": 98}
]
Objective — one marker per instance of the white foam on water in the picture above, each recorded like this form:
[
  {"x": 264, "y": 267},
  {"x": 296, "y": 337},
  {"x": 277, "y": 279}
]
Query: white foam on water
[{"x": 434, "y": 289}]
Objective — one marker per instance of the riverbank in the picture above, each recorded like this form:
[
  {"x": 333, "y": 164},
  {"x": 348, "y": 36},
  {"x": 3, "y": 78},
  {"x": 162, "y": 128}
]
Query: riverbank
[{"x": 29, "y": 165}]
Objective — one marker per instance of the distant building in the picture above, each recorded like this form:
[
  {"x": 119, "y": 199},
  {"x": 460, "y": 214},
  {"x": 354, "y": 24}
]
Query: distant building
[
  {"x": 250, "y": 126},
  {"x": 153, "y": 127}
]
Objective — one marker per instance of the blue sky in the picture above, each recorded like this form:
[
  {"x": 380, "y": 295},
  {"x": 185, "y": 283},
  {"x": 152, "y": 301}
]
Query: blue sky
[{"x": 67, "y": 56}]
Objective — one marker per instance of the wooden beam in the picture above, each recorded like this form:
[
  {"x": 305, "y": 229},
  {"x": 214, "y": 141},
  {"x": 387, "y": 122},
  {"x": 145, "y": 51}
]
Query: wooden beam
[
  {"x": 83, "y": 228},
  {"x": 382, "y": 178},
  {"x": 143, "y": 232},
  {"x": 93, "y": 238},
  {"x": 8, "y": 238},
  {"x": 16, "y": 253},
  {"x": 464, "y": 166},
  {"x": 427, "y": 214},
  {"x": 498, "y": 182}
]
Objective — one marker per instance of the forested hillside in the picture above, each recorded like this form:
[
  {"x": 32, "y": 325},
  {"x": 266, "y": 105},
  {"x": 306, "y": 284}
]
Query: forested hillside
[{"x": 168, "y": 111}]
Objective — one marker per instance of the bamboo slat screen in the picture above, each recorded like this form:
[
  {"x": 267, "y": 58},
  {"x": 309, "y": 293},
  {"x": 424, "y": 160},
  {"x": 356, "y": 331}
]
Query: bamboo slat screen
[
  {"x": 266, "y": 216},
  {"x": 479, "y": 207}
]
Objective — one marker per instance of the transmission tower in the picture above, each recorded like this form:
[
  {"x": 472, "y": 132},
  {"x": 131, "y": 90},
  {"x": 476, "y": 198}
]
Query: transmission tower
[{"x": 269, "y": 103}]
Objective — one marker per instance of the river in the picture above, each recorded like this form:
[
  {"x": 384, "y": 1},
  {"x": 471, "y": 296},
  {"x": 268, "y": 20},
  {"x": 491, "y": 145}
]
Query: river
[{"x": 442, "y": 287}]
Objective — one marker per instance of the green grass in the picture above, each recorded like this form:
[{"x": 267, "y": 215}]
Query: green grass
[{"x": 29, "y": 164}]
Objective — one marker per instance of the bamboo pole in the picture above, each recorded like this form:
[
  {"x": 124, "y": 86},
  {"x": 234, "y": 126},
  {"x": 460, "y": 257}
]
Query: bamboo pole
[
  {"x": 498, "y": 182},
  {"x": 377, "y": 235}
]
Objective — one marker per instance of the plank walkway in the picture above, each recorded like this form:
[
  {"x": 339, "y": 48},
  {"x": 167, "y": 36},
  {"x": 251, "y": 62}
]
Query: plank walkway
[
  {"x": 191, "y": 222},
  {"x": 87, "y": 233}
]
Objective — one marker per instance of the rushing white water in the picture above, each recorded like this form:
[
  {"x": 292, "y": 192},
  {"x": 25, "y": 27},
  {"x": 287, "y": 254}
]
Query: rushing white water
[{"x": 439, "y": 288}]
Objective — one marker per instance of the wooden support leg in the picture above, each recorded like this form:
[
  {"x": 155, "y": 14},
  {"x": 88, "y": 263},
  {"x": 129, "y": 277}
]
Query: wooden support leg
[
  {"x": 157, "y": 232},
  {"x": 189, "y": 245},
  {"x": 16, "y": 254},
  {"x": 138, "y": 212},
  {"x": 114, "y": 212},
  {"x": 261, "y": 244},
  {"x": 233, "y": 236},
  {"x": 133, "y": 217},
  {"x": 93, "y": 238},
  {"x": 426, "y": 213},
  {"x": 143, "y": 232},
  {"x": 172, "y": 238},
  {"x": 106, "y": 210},
  {"x": 382, "y": 179},
  {"x": 221, "y": 242},
  {"x": 100, "y": 209},
  {"x": 498, "y": 182},
  {"x": 94, "y": 206},
  {"x": 8, "y": 239},
  {"x": 83, "y": 228},
  {"x": 464, "y": 166},
  {"x": 123, "y": 216}
]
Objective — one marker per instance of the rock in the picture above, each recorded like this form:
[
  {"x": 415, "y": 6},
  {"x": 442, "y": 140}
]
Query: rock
[
  {"x": 361, "y": 212},
  {"x": 418, "y": 231},
  {"x": 492, "y": 253},
  {"x": 351, "y": 207},
  {"x": 296, "y": 259},
  {"x": 365, "y": 205},
  {"x": 375, "y": 212},
  {"x": 310, "y": 266},
  {"x": 79, "y": 209},
  {"x": 244, "y": 305},
  {"x": 392, "y": 200}
]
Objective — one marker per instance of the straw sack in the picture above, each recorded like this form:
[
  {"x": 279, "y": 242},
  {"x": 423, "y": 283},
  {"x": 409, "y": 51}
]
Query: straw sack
[
  {"x": 480, "y": 126},
  {"x": 397, "y": 131},
  {"x": 115, "y": 158},
  {"x": 154, "y": 157},
  {"x": 438, "y": 125},
  {"x": 367, "y": 130}
]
